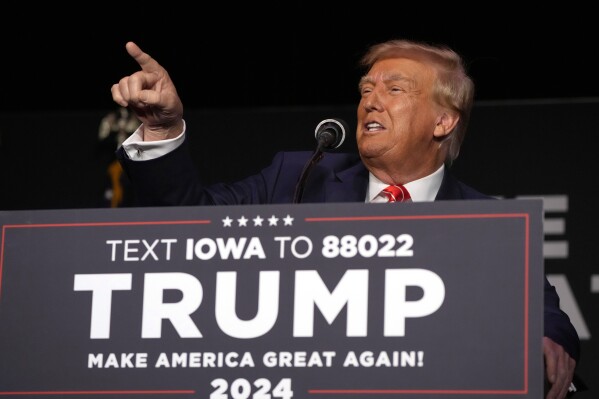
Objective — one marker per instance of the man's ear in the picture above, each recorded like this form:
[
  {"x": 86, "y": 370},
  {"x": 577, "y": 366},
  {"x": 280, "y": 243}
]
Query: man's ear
[{"x": 445, "y": 124}]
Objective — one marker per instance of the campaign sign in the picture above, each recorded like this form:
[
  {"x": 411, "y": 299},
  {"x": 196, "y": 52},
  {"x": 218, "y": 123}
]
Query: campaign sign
[{"x": 416, "y": 300}]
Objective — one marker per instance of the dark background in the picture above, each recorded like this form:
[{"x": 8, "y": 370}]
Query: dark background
[{"x": 283, "y": 54}]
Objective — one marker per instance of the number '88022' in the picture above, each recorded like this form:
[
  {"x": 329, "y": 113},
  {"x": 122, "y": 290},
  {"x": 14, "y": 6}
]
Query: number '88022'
[{"x": 367, "y": 246}]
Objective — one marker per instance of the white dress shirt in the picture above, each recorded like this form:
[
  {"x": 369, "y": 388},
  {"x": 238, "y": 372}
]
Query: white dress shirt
[{"x": 424, "y": 189}]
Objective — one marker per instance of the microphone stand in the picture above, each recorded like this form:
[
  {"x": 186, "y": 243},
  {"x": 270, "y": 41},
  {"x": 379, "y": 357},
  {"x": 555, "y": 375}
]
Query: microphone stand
[{"x": 314, "y": 159}]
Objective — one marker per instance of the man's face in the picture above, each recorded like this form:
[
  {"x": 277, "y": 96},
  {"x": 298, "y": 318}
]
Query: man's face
[{"x": 397, "y": 118}]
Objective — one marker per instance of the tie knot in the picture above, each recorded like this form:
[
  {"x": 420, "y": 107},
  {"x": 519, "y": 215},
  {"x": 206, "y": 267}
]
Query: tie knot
[{"x": 396, "y": 193}]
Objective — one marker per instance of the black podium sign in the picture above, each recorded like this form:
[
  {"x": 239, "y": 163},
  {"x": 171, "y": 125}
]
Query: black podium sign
[{"x": 417, "y": 300}]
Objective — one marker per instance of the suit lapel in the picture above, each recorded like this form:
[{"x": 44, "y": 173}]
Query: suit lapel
[{"x": 350, "y": 186}]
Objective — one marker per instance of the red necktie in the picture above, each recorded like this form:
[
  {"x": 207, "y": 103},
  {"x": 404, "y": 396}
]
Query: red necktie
[{"x": 397, "y": 193}]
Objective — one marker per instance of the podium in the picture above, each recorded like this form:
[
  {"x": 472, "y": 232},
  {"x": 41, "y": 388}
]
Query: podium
[{"x": 418, "y": 300}]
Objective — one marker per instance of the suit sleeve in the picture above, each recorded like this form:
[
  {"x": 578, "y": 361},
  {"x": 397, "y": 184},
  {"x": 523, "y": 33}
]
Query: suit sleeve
[
  {"x": 171, "y": 179},
  {"x": 174, "y": 180},
  {"x": 557, "y": 323}
]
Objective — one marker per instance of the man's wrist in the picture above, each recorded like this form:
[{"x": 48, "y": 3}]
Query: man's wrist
[{"x": 156, "y": 133}]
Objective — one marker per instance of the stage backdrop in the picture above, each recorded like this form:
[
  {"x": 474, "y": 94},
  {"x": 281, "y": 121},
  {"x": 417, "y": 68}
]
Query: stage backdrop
[{"x": 540, "y": 148}]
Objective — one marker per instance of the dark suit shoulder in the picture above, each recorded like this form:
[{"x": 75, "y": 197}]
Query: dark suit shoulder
[{"x": 453, "y": 189}]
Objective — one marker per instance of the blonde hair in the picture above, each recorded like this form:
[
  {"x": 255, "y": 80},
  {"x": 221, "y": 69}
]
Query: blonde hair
[{"x": 453, "y": 87}]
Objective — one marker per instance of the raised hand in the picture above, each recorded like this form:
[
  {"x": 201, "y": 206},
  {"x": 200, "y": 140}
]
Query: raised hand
[{"x": 151, "y": 95}]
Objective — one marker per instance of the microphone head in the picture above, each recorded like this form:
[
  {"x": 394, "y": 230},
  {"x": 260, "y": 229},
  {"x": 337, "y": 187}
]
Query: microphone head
[{"x": 330, "y": 133}]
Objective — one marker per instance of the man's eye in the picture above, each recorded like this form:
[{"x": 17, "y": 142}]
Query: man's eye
[{"x": 396, "y": 89}]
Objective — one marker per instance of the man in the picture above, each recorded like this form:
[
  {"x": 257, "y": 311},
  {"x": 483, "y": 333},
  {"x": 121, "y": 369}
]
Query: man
[{"x": 415, "y": 106}]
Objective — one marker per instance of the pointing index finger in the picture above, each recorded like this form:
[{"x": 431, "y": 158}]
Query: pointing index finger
[{"x": 147, "y": 63}]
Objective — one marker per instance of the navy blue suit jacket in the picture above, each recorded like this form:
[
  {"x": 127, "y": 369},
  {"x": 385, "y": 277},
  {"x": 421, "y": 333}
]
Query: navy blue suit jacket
[{"x": 173, "y": 180}]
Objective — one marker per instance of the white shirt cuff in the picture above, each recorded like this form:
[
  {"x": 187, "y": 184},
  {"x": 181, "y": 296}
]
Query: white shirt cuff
[{"x": 139, "y": 150}]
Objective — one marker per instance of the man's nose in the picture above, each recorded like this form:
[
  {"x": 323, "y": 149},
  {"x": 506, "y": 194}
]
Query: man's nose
[{"x": 373, "y": 102}]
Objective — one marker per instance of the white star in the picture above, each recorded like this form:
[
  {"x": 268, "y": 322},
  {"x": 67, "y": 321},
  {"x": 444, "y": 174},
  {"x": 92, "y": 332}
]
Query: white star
[
  {"x": 227, "y": 222},
  {"x": 258, "y": 221},
  {"x": 242, "y": 221},
  {"x": 272, "y": 221},
  {"x": 288, "y": 220}
]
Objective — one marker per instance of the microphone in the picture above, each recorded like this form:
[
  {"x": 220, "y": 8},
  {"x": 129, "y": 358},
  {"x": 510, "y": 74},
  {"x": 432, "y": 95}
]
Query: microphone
[{"x": 330, "y": 134}]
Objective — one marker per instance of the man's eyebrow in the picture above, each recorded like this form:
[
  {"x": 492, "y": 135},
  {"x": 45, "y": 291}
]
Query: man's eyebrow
[{"x": 390, "y": 78}]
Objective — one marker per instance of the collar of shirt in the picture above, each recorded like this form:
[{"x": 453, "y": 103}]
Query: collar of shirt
[{"x": 424, "y": 189}]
